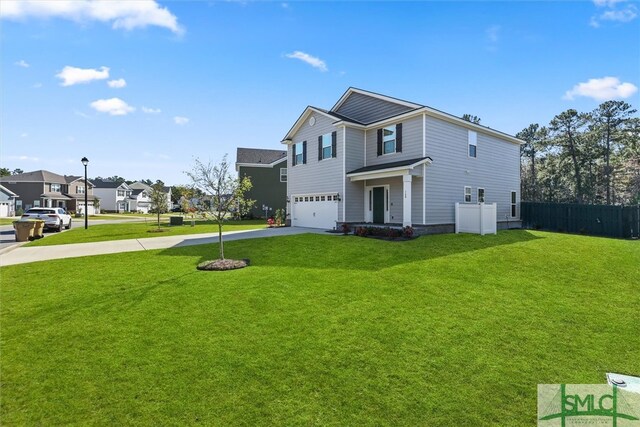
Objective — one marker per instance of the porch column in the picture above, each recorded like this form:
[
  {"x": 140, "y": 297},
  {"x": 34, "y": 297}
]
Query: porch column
[{"x": 406, "y": 200}]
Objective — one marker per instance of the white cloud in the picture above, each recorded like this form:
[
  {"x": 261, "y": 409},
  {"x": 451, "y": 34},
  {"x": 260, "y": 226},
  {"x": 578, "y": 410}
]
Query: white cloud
[
  {"x": 315, "y": 62},
  {"x": 180, "y": 120},
  {"x": 117, "y": 84},
  {"x": 615, "y": 11},
  {"x": 122, "y": 14},
  {"x": 112, "y": 106},
  {"x": 148, "y": 110},
  {"x": 24, "y": 135},
  {"x": 37, "y": 85},
  {"x": 22, "y": 63},
  {"x": 24, "y": 158},
  {"x": 81, "y": 114},
  {"x": 493, "y": 33},
  {"x": 602, "y": 89},
  {"x": 73, "y": 75}
]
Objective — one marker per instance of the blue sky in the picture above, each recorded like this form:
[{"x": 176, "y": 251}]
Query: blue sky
[{"x": 187, "y": 79}]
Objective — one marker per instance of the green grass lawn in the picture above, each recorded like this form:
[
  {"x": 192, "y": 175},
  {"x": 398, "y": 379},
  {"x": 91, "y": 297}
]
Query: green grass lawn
[
  {"x": 7, "y": 221},
  {"x": 138, "y": 230},
  {"x": 319, "y": 330}
]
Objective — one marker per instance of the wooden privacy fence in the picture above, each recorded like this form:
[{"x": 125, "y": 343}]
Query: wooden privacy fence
[{"x": 599, "y": 220}]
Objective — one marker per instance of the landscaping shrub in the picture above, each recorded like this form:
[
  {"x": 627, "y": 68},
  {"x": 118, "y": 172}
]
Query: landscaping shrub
[
  {"x": 345, "y": 228},
  {"x": 408, "y": 232}
]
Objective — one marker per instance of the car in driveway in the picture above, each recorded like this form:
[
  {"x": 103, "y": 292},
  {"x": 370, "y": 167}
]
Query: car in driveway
[{"x": 54, "y": 218}]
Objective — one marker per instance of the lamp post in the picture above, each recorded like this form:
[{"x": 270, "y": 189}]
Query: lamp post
[{"x": 85, "y": 162}]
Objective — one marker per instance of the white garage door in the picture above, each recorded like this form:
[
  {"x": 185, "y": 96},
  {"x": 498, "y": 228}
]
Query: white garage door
[
  {"x": 4, "y": 209},
  {"x": 315, "y": 211}
]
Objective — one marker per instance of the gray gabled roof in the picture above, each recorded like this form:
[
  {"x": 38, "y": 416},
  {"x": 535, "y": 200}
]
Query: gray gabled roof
[
  {"x": 103, "y": 183},
  {"x": 35, "y": 176},
  {"x": 8, "y": 192},
  {"x": 259, "y": 156}
]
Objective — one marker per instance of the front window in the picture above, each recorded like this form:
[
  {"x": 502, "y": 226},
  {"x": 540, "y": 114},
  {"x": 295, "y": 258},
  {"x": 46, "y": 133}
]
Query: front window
[
  {"x": 120, "y": 193},
  {"x": 80, "y": 190},
  {"x": 389, "y": 140},
  {"x": 55, "y": 188},
  {"x": 467, "y": 194},
  {"x": 480, "y": 195},
  {"x": 299, "y": 153},
  {"x": 283, "y": 174},
  {"x": 327, "y": 150}
]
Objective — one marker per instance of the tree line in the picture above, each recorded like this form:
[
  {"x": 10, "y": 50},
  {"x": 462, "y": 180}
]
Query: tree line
[{"x": 591, "y": 158}]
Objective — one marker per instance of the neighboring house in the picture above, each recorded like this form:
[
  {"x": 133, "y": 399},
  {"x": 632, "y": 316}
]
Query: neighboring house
[
  {"x": 114, "y": 196},
  {"x": 142, "y": 198},
  {"x": 7, "y": 202},
  {"x": 377, "y": 159},
  {"x": 267, "y": 170},
  {"x": 42, "y": 188}
]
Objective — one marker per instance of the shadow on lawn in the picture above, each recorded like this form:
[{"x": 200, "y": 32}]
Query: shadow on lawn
[{"x": 316, "y": 251}]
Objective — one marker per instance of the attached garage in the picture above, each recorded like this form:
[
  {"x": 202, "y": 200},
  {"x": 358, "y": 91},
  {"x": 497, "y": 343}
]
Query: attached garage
[
  {"x": 4, "y": 209},
  {"x": 314, "y": 210}
]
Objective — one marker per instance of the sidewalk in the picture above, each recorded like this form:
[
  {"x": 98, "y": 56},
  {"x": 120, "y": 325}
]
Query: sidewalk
[{"x": 21, "y": 255}]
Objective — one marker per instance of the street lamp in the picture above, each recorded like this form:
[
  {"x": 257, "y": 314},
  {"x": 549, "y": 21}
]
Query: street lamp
[{"x": 85, "y": 162}]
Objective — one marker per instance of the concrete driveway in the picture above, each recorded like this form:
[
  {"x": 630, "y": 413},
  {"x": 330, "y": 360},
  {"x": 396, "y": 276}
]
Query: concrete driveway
[{"x": 21, "y": 254}]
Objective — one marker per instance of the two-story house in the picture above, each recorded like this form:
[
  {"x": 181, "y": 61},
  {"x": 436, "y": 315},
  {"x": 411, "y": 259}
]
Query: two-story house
[
  {"x": 141, "y": 197},
  {"x": 42, "y": 188},
  {"x": 377, "y": 159},
  {"x": 267, "y": 170},
  {"x": 114, "y": 196}
]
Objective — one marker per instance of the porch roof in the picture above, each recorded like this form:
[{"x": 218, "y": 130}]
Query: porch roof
[{"x": 402, "y": 167}]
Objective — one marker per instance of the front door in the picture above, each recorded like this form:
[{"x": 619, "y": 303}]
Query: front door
[{"x": 378, "y": 205}]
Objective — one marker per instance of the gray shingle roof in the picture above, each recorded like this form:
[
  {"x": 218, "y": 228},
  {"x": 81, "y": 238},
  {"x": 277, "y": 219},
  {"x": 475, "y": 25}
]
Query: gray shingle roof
[
  {"x": 35, "y": 176},
  {"x": 101, "y": 183},
  {"x": 259, "y": 155},
  {"x": 389, "y": 165}
]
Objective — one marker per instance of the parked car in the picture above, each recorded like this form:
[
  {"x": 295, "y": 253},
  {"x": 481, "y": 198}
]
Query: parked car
[{"x": 55, "y": 218}]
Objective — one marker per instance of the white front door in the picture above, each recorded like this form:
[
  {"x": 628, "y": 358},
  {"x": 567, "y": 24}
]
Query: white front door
[{"x": 314, "y": 211}]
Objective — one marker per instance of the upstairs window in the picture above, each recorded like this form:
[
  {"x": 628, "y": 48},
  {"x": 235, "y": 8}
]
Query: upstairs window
[
  {"x": 299, "y": 153},
  {"x": 390, "y": 139},
  {"x": 283, "y": 174},
  {"x": 327, "y": 146},
  {"x": 473, "y": 144},
  {"x": 79, "y": 189},
  {"x": 55, "y": 188},
  {"x": 120, "y": 193}
]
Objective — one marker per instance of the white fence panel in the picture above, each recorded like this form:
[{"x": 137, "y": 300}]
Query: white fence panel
[{"x": 478, "y": 219}]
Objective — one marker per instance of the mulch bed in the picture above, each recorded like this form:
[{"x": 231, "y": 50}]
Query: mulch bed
[{"x": 223, "y": 264}]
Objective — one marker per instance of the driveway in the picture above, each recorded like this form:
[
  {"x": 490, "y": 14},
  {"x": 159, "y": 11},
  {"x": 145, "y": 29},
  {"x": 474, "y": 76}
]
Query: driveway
[{"x": 21, "y": 255}]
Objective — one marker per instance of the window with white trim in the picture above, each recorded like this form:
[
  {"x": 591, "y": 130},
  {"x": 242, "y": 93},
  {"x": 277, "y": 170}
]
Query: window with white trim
[
  {"x": 389, "y": 139},
  {"x": 473, "y": 143},
  {"x": 480, "y": 195},
  {"x": 299, "y": 153},
  {"x": 55, "y": 188},
  {"x": 79, "y": 189},
  {"x": 514, "y": 205},
  {"x": 120, "y": 193},
  {"x": 283, "y": 174},
  {"x": 327, "y": 146},
  {"x": 467, "y": 194}
]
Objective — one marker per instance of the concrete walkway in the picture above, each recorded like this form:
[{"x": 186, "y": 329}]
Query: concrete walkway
[{"x": 21, "y": 254}]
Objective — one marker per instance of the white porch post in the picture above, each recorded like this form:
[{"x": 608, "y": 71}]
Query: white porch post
[{"x": 406, "y": 200}]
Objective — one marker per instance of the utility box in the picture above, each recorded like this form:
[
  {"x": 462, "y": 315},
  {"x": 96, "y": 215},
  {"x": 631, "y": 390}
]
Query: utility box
[
  {"x": 176, "y": 220},
  {"x": 478, "y": 218}
]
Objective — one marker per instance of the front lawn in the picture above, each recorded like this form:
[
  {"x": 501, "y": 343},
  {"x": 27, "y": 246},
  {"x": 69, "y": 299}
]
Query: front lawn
[
  {"x": 138, "y": 230},
  {"x": 319, "y": 330}
]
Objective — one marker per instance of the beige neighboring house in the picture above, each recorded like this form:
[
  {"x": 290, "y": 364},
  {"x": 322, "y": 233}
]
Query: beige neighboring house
[{"x": 42, "y": 188}]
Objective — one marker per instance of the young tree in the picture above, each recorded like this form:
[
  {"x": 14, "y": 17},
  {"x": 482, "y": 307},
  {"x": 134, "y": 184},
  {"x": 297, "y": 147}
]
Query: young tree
[
  {"x": 536, "y": 139},
  {"x": 5, "y": 172},
  {"x": 227, "y": 192},
  {"x": 158, "y": 199}
]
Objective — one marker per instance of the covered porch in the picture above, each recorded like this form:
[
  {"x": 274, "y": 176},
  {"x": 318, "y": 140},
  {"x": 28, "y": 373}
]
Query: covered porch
[{"x": 393, "y": 192}]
